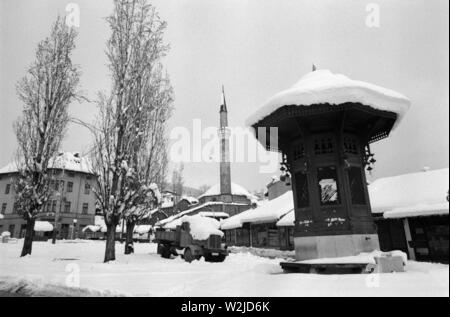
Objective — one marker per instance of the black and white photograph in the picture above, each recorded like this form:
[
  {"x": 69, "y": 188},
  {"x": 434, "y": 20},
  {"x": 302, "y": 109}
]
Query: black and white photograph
[{"x": 224, "y": 154}]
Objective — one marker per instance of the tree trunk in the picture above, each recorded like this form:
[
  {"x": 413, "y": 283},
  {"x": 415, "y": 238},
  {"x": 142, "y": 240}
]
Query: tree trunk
[
  {"x": 129, "y": 247},
  {"x": 110, "y": 251},
  {"x": 29, "y": 234}
]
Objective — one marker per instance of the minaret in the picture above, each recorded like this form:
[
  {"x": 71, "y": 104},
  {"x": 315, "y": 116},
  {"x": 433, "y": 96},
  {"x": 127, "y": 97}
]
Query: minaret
[{"x": 225, "y": 172}]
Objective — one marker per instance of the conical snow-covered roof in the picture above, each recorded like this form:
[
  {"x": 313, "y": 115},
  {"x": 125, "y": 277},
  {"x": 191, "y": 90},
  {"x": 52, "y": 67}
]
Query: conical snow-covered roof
[
  {"x": 324, "y": 87},
  {"x": 236, "y": 189}
]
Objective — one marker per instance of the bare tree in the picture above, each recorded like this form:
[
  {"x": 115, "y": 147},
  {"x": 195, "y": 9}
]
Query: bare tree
[
  {"x": 46, "y": 91},
  {"x": 134, "y": 51},
  {"x": 150, "y": 161}
]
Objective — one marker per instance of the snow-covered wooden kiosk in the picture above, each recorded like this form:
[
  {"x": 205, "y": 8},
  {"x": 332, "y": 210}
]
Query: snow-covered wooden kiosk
[{"x": 326, "y": 123}]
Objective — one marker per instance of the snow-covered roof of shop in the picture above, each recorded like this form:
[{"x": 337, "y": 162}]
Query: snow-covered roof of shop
[
  {"x": 233, "y": 222},
  {"x": 191, "y": 200},
  {"x": 214, "y": 214},
  {"x": 270, "y": 211},
  {"x": 236, "y": 189},
  {"x": 164, "y": 222},
  {"x": 167, "y": 204},
  {"x": 65, "y": 160},
  {"x": 322, "y": 86},
  {"x": 415, "y": 194},
  {"x": 287, "y": 220}
]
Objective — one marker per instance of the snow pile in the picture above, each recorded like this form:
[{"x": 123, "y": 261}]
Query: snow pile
[
  {"x": 202, "y": 227},
  {"x": 91, "y": 228},
  {"x": 287, "y": 220},
  {"x": 322, "y": 86},
  {"x": 1, "y": 216},
  {"x": 265, "y": 253},
  {"x": 39, "y": 288},
  {"x": 142, "y": 229},
  {"x": 43, "y": 226},
  {"x": 236, "y": 190},
  {"x": 408, "y": 195},
  {"x": 6, "y": 234},
  {"x": 363, "y": 258},
  {"x": 145, "y": 273}
]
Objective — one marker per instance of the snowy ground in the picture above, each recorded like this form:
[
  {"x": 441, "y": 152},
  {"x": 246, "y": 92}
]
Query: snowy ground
[{"x": 53, "y": 270}]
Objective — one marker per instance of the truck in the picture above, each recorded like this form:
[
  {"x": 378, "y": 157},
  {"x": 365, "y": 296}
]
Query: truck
[{"x": 180, "y": 242}]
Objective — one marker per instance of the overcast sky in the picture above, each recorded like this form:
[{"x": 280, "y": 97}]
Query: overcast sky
[{"x": 256, "y": 48}]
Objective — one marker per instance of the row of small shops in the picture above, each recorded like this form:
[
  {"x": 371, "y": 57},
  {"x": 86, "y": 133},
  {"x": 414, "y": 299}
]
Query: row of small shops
[{"x": 410, "y": 211}]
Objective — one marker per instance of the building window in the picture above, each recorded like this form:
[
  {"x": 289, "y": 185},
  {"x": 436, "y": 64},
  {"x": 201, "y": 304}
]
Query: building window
[
  {"x": 14, "y": 211},
  {"x": 53, "y": 205},
  {"x": 87, "y": 189},
  {"x": 356, "y": 186},
  {"x": 323, "y": 146},
  {"x": 69, "y": 187},
  {"x": 67, "y": 207},
  {"x": 4, "y": 208},
  {"x": 54, "y": 184},
  {"x": 61, "y": 185},
  {"x": 7, "y": 189},
  {"x": 301, "y": 188},
  {"x": 85, "y": 208},
  {"x": 328, "y": 185}
]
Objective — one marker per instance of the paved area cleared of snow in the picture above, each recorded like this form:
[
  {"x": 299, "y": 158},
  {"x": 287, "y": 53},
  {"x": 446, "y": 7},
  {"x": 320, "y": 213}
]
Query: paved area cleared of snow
[{"x": 76, "y": 268}]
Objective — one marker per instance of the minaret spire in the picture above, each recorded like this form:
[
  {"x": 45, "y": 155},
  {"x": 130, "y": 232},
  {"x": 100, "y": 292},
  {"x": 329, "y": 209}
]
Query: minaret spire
[
  {"x": 225, "y": 170},
  {"x": 223, "y": 106}
]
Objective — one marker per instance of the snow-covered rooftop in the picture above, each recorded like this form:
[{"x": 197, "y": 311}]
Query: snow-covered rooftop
[
  {"x": 322, "y": 86},
  {"x": 65, "y": 160},
  {"x": 191, "y": 200},
  {"x": 236, "y": 189},
  {"x": 287, "y": 220},
  {"x": 408, "y": 195},
  {"x": 271, "y": 211},
  {"x": 171, "y": 220}
]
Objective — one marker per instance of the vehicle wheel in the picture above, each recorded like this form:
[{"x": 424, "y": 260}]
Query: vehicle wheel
[
  {"x": 189, "y": 256},
  {"x": 220, "y": 258},
  {"x": 165, "y": 251}
]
